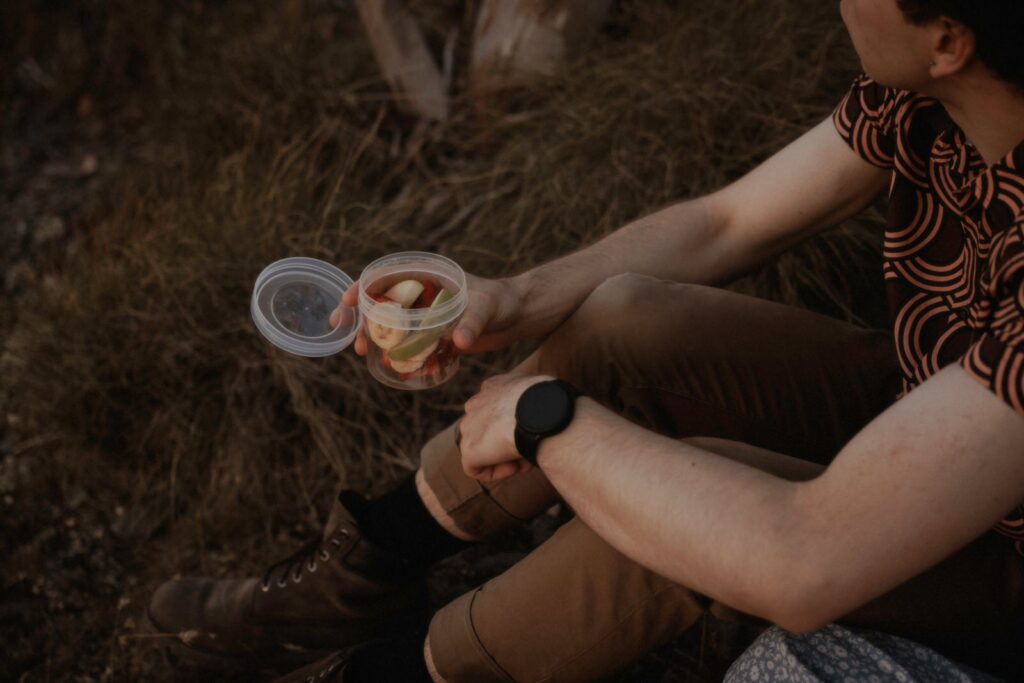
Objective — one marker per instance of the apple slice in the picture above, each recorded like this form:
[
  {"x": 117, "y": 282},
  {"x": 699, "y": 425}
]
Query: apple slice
[
  {"x": 405, "y": 292},
  {"x": 443, "y": 297},
  {"x": 414, "y": 344},
  {"x": 414, "y": 363}
]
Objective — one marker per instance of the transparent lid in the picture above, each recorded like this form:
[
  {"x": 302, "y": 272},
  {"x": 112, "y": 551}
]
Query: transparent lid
[{"x": 292, "y": 303}]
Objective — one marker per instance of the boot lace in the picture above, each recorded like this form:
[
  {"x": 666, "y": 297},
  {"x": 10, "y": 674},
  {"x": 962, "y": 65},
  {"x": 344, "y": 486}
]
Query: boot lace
[{"x": 291, "y": 568}]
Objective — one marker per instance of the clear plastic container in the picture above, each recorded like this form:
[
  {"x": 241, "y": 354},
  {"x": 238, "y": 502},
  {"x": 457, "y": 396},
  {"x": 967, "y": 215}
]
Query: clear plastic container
[
  {"x": 409, "y": 342},
  {"x": 291, "y": 306}
]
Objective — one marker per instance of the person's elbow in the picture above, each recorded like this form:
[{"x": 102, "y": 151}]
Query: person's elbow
[
  {"x": 811, "y": 600},
  {"x": 801, "y": 618},
  {"x": 801, "y": 585}
]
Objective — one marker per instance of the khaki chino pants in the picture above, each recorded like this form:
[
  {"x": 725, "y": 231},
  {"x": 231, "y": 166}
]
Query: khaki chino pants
[{"x": 688, "y": 361}]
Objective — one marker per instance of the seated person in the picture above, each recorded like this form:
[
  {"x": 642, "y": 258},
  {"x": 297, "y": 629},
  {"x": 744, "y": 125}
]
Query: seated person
[{"x": 722, "y": 450}]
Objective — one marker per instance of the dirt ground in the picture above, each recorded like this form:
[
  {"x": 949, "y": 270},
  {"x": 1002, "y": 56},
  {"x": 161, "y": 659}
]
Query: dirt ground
[{"x": 156, "y": 155}]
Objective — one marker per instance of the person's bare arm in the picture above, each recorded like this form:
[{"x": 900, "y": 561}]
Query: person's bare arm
[
  {"x": 925, "y": 478},
  {"x": 813, "y": 183},
  {"x": 933, "y": 472}
]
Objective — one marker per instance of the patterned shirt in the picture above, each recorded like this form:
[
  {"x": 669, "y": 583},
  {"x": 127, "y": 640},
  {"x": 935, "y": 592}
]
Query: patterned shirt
[{"x": 954, "y": 244}]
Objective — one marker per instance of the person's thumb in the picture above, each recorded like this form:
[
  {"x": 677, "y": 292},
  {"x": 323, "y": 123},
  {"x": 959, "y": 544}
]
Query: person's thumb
[
  {"x": 474, "y": 322},
  {"x": 351, "y": 295}
]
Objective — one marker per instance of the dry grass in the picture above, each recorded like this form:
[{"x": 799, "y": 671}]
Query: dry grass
[{"x": 138, "y": 381}]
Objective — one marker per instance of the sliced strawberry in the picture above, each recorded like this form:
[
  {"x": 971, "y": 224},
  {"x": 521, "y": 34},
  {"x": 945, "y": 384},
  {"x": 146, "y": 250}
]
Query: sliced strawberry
[
  {"x": 430, "y": 290},
  {"x": 385, "y": 361},
  {"x": 445, "y": 351},
  {"x": 381, "y": 299}
]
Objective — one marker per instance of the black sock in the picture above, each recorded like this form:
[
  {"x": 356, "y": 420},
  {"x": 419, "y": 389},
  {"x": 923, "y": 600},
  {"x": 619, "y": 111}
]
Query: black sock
[
  {"x": 395, "y": 660},
  {"x": 399, "y": 522}
]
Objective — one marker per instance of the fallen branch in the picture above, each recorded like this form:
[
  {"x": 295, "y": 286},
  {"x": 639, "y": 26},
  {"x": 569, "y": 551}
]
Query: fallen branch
[
  {"x": 517, "y": 40},
  {"x": 403, "y": 57}
]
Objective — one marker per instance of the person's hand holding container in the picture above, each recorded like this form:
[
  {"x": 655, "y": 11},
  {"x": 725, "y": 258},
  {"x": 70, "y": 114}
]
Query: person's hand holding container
[{"x": 408, "y": 306}]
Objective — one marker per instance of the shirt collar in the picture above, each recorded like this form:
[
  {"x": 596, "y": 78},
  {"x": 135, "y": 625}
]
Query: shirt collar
[{"x": 1003, "y": 181}]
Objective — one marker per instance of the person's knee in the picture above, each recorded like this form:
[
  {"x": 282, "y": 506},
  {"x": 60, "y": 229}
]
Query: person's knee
[
  {"x": 622, "y": 292},
  {"x": 630, "y": 300},
  {"x": 626, "y": 315}
]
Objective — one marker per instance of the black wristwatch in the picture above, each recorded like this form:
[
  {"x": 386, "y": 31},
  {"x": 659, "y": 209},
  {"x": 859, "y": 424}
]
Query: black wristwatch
[{"x": 543, "y": 410}]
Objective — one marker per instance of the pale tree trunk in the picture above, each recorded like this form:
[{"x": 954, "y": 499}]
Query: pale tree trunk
[
  {"x": 404, "y": 59},
  {"x": 517, "y": 40}
]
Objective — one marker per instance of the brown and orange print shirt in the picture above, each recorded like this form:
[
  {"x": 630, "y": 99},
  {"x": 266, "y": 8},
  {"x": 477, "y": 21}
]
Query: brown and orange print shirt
[{"x": 954, "y": 244}]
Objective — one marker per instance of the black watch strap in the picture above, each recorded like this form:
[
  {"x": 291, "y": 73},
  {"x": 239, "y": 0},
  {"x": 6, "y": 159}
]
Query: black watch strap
[
  {"x": 527, "y": 444},
  {"x": 544, "y": 409}
]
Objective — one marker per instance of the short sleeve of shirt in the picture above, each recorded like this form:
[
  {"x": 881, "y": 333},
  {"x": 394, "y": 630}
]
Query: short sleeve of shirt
[
  {"x": 996, "y": 356},
  {"x": 865, "y": 120}
]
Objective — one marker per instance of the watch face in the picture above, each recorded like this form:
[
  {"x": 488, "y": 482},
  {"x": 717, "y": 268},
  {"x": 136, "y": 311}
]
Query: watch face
[{"x": 544, "y": 407}]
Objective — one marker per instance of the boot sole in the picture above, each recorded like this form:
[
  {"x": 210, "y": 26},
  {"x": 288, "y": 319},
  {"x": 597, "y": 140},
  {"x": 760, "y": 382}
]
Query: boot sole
[{"x": 266, "y": 664}]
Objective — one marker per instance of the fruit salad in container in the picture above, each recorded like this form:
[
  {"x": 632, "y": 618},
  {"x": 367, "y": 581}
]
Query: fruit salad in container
[{"x": 409, "y": 318}]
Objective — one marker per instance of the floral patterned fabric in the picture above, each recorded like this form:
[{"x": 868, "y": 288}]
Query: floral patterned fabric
[{"x": 839, "y": 654}]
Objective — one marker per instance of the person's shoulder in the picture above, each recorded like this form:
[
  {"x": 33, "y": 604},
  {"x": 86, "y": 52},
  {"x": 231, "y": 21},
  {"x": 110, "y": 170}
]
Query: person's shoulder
[{"x": 886, "y": 105}]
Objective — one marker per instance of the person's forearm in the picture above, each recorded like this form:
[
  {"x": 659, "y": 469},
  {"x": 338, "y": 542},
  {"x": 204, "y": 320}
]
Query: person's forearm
[
  {"x": 681, "y": 242},
  {"x": 704, "y": 521}
]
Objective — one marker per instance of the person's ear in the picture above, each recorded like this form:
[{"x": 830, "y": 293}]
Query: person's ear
[{"x": 954, "y": 47}]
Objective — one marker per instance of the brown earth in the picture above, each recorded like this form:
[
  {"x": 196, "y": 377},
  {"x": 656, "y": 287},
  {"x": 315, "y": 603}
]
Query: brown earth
[{"x": 157, "y": 155}]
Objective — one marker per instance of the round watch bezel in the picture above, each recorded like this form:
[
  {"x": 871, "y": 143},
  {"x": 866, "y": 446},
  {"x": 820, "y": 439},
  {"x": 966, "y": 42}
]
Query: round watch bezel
[{"x": 545, "y": 408}]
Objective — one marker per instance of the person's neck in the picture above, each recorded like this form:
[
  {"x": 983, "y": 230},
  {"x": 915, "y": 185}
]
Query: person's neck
[{"x": 990, "y": 113}]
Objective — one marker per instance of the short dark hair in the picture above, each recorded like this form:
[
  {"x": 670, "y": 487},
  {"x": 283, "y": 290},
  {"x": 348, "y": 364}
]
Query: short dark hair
[{"x": 997, "y": 25}]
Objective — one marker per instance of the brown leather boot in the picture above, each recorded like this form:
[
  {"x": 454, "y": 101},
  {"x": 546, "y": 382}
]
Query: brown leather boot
[{"x": 336, "y": 592}]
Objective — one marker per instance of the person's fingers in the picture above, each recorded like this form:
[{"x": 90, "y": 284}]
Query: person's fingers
[
  {"x": 493, "y": 473},
  {"x": 463, "y": 338},
  {"x": 351, "y": 295},
  {"x": 360, "y": 345},
  {"x": 474, "y": 321},
  {"x": 504, "y": 470}
]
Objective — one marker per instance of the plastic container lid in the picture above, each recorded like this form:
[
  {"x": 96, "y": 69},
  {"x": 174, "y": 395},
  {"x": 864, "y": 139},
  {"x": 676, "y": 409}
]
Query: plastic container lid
[{"x": 292, "y": 303}]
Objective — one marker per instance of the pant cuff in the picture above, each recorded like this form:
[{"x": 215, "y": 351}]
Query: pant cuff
[
  {"x": 455, "y": 649},
  {"x": 437, "y": 510}
]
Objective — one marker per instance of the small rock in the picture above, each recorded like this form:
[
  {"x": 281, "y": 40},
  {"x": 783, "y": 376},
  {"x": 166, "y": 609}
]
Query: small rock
[
  {"x": 89, "y": 164},
  {"x": 50, "y": 228}
]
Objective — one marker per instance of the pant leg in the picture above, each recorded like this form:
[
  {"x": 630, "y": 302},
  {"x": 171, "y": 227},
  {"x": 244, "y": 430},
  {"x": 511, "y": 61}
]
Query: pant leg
[
  {"x": 575, "y": 609},
  {"x": 687, "y": 360}
]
